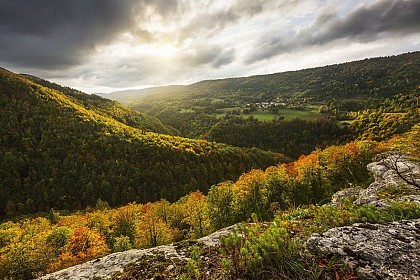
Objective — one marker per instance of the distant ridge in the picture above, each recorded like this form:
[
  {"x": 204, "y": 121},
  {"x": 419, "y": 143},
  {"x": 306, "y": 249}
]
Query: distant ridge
[
  {"x": 378, "y": 77},
  {"x": 126, "y": 95},
  {"x": 109, "y": 108}
]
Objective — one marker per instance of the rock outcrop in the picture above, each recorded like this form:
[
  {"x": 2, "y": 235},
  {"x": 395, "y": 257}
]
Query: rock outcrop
[
  {"x": 105, "y": 267},
  {"x": 374, "y": 251},
  {"x": 348, "y": 193},
  {"x": 390, "y": 170}
]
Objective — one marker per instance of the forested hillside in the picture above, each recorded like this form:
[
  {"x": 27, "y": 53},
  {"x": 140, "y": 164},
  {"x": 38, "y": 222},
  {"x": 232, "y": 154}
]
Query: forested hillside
[
  {"x": 394, "y": 116},
  {"x": 292, "y": 112},
  {"x": 292, "y": 138},
  {"x": 109, "y": 108},
  {"x": 62, "y": 150},
  {"x": 65, "y": 151},
  {"x": 354, "y": 84}
]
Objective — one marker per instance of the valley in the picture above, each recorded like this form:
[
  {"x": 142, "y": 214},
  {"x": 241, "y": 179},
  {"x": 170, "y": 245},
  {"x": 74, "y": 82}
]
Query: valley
[
  {"x": 182, "y": 162},
  {"x": 210, "y": 140}
]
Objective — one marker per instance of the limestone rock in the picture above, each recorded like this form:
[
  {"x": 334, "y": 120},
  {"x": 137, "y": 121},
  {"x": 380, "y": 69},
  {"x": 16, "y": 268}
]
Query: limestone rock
[
  {"x": 374, "y": 251},
  {"x": 388, "y": 251},
  {"x": 338, "y": 198},
  {"x": 108, "y": 265},
  {"x": 388, "y": 170},
  {"x": 214, "y": 238}
]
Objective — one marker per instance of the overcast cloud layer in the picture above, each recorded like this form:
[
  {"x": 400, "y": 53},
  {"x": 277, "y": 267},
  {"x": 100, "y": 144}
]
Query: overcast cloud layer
[{"x": 107, "y": 45}]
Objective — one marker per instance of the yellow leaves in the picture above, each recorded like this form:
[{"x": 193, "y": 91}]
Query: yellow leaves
[
  {"x": 24, "y": 249},
  {"x": 245, "y": 184},
  {"x": 66, "y": 259},
  {"x": 75, "y": 220},
  {"x": 307, "y": 165},
  {"x": 35, "y": 227},
  {"x": 9, "y": 233},
  {"x": 152, "y": 229},
  {"x": 407, "y": 143},
  {"x": 86, "y": 243},
  {"x": 196, "y": 209},
  {"x": 100, "y": 221}
]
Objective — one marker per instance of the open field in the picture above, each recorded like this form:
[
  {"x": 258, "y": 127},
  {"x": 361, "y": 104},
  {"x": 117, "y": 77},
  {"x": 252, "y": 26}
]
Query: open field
[{"x": 288, "y": 114}]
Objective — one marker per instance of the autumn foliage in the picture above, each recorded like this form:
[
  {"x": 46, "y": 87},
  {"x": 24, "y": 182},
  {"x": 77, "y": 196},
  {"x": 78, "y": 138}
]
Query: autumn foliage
[{"x": 32, "y": 247}]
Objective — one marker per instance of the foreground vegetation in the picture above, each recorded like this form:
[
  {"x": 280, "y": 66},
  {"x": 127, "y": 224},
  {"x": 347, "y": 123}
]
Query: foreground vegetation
[
  {"x": 34, "y": 246},
  {"x": 276, "y": 250}
]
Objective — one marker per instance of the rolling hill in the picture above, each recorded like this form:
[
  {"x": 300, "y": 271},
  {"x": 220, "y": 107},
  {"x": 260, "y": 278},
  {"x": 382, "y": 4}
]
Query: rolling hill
[
  {"x": 109, "y": 108},
  {"x": 356, "y": 84},
  {"x": 293, "y": 112},
  {"x": 66, "y": 150},
  {"x": 62, "y": 149}
]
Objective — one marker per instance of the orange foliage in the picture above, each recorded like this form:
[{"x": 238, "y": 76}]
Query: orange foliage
[
  {"x": 76, "y": 220},
  {"x": 84, "y": 244},
  {"x": 245, "y": 184}
]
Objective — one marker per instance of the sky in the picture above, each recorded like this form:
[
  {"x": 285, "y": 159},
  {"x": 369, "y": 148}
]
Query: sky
[{"x": 110, "y": 45}]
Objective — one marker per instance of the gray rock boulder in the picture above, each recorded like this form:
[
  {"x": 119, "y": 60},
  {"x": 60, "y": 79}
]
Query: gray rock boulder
[
  {"x": 348, "y": 193},
  {"x": 105, "y": 267},
  {"x": 388, "y": 170},
  {"x": 389, "y": 251}
]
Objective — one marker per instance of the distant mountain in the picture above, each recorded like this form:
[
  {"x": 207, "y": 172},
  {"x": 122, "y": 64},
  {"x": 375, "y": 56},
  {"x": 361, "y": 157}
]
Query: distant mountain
[
  {"x": 126, "y": 96},
  {"x": 355, "y": 84},
  {"x": 67, "y": 149}
]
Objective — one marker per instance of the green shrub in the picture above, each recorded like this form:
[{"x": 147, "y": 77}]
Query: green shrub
[{"x": 122, "y": 243}]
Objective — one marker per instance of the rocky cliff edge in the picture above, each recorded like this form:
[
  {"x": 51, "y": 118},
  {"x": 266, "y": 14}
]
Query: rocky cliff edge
[{"x": 374, "y": 251}]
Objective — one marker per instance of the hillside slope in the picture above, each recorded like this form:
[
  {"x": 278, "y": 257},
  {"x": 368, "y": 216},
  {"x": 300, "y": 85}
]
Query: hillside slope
[
  {"x": 262, "y": 111},
  {"x": 57, "y": 152},
  {"x": 109, "y": 108},
  {"x": 290, "y": 194},
  {"x": 352, "y": 83}
]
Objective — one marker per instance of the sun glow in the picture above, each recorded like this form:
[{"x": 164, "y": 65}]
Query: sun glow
[
  {"x": 121, "y": 50},
  {"x": 164, "y": 51}
]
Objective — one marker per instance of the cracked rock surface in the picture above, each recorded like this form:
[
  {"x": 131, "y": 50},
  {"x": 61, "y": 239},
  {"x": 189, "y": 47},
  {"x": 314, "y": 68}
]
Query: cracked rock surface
[
  {"x": 388, "y": 170},
  {"x": 374, "y": 251}
]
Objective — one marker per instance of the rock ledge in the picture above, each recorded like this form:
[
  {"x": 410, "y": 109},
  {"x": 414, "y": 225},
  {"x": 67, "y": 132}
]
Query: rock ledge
[
  {"x": 374, "y": 251},
  {"x": 105, "y": 267}
]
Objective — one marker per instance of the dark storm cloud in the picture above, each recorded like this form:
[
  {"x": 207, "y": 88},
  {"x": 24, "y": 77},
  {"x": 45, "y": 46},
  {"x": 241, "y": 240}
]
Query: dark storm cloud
[
  {"x": 59, "y": 33},
  {"x": 225, "y": 57},
  {"x": 211, "y": 22},
  {"x": 212, "y": 55},
  {"x": 367, "y": 23}
]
